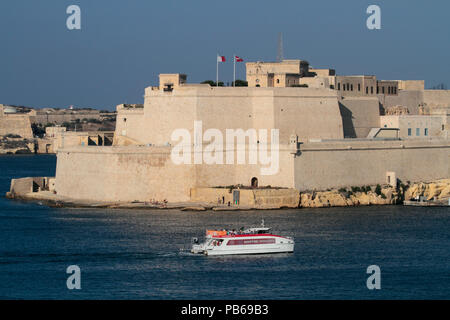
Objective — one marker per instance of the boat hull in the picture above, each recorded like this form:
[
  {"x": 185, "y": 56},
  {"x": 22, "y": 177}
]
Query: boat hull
[{"x": 243, "y": 250}]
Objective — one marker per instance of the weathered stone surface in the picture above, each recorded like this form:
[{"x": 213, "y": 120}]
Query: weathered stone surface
[
  {"x": 439, "y": 190},
  {"x": 335, "y": 198},
  {"x": 397, "y": 110},
  {"x": 254, "y": 198}
]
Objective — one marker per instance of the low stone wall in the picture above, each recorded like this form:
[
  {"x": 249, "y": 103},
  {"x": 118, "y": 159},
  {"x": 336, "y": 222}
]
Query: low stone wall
[
  {"x": 279, "y": 198},
  {"x": 255, "y": 198},
  {"x": 23, "y": 186}
]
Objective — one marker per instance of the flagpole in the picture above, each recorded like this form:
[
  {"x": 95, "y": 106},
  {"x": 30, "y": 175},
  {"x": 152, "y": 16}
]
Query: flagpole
[
  {"x": 234, "y": 70},
  {"x": 217, "y": 70}
]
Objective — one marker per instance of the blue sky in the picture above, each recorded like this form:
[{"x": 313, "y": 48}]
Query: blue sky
[{"x": 123, "y": 45}]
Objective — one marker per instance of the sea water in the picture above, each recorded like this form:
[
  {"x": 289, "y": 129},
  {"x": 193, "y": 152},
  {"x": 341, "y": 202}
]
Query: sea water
[{"x": 135, "y": 254}]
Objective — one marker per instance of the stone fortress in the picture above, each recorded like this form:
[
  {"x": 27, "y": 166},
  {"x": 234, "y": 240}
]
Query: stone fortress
[
  {"x": 17, "y": 135},
  {"x": 15, "y": 123},
  {"x": 334, "y": 131}
]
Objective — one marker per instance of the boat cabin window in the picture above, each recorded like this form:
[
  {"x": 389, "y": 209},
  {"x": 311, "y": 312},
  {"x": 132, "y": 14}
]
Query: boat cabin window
[{"x": 217, "y": 242}]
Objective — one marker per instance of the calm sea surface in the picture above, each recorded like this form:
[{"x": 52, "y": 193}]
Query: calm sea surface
[{"x": 134, "y": 254}]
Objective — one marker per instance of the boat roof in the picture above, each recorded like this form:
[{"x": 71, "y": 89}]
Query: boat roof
[{"x": 257, "y": 229}]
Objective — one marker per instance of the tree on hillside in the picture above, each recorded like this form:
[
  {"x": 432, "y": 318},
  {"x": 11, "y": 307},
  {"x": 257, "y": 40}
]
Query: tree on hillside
[{"x": 240, "y": 83}]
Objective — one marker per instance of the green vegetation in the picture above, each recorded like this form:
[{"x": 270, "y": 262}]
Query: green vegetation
[
  {"x": 39, "y": 130},
  {"x": 213, "y": 83},
  {"x": 378, "y": 190},
  {"x": 11, "y": 135},
  {"x": 240, "y": 83}
]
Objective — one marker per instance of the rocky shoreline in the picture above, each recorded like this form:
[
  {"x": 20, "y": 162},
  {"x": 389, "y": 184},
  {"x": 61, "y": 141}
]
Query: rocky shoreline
[
  {"x": 377, "y": 195},
  {"x": 14, "y": 144},
  {"x": 437, "y": 191}
]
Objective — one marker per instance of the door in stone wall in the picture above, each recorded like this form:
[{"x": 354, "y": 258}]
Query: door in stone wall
[{"x": 236, "y": 197}]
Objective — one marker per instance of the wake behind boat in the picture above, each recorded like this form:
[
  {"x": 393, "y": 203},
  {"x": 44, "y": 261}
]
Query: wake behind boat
[{"x": 257, "y": 240}]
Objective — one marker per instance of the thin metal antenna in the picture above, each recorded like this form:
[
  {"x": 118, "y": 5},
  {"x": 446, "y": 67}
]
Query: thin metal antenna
[{"x": 280, "y": 47}]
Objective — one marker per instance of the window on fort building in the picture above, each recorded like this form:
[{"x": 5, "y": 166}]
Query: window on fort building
[
  {"x": 382, "y": 89},
  {"x": 367, "y": 90},
  {"x": 343, "y": 87},
  {"x": 278, "y": 80},
  {"x": 378, "y": 89},
  {"x": 339, "y": 86},
  {"x": 352, "y": 87},
  {"x": 395, "y": 90},
  {"x": 409, "y": 132},
  {"x": 426, "y": 132},
  {"x": 389, "y": 90},
  {"x": 359, "y": 87},
  {"x": 417, "y": 131}
]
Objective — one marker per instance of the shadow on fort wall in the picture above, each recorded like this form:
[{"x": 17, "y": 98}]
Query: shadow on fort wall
[{"x": 347, "y": 121}]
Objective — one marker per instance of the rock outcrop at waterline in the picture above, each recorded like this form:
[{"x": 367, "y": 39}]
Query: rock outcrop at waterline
[
  {"x": 376, "y": 195},
  {"x": 438, "y": 190},
  {"x": 340, "y": 198}
]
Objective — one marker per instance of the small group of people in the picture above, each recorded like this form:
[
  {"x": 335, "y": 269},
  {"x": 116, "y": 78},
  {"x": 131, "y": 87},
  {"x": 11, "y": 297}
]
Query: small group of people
[
  {"x": 233, "y": 232},
  {"x": 156, "y": 202}
]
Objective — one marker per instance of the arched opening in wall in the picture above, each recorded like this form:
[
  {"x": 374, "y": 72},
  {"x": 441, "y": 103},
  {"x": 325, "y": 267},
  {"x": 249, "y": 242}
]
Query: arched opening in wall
[{"x": 254, "y": 182}]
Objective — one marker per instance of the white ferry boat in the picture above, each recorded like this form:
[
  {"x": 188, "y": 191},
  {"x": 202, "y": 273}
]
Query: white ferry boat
[{"x": 250, "y": 241}]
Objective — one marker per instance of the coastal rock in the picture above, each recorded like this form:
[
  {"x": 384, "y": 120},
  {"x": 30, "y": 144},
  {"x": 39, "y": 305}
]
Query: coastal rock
[
  {"x": 335, "y": 198},
  {"x": 439, "y": 190}
]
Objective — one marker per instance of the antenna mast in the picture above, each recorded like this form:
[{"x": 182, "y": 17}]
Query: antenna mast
[{"x": 280, "y": 47}]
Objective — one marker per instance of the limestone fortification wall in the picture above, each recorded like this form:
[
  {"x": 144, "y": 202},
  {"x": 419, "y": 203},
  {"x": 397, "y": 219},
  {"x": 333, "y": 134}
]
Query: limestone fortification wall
[
  {"x": 59, "y": 117},
  {"x": 354, "y": 163},
  {"x": 412, "y": 99},
  {"x": 19, "y": 124},
  {"x": 122, "y": 174},
  {"x": 308, "y": 113},
  {"x": 264, "y": 198},
  {"x": 129, "y": 125},
  {"x": 359, "y": 115},
  {"x": 437, "y": 98},
  {"x": 144, "y": 173}
]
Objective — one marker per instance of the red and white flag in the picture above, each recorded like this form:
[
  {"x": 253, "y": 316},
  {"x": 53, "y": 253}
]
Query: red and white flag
[
  {"x": 220, "y": 58},
  {"x": 238, "y": 59}
]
